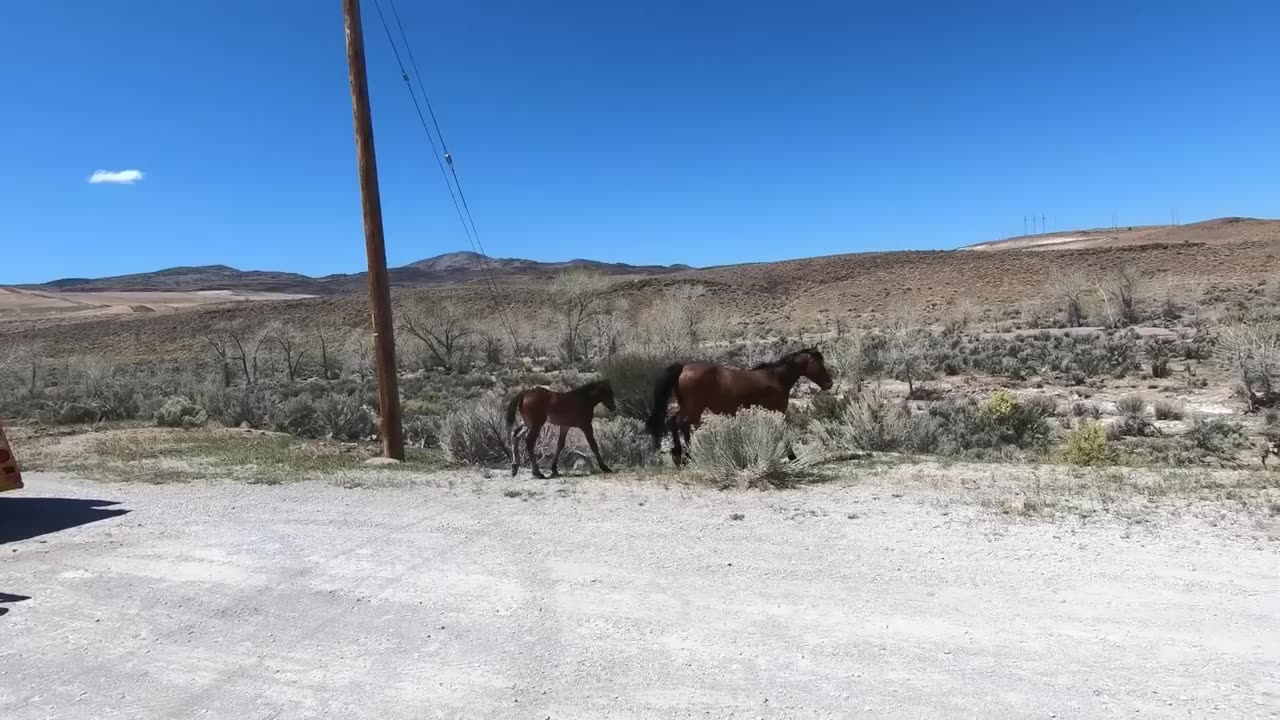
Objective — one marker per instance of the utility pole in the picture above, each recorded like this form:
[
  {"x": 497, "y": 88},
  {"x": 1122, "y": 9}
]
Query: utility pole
[{"x": 384, "y": 342}]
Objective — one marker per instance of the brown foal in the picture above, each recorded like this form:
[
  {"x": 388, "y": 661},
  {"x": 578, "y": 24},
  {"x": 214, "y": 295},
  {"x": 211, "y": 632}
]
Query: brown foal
[{"x": 573, "y": 409}]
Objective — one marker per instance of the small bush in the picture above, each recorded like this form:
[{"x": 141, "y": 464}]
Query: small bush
[
  {"x": 1086, "y": 410},
  {"x": 344, "y": 417},
  {"x": 1216, "y": 436},
  {"x": 181, "y": 412},
  {"x": 1132, "y": 405},
  {"x": 1168, "y": 410},
  {"x": 297, "y": 416},
  {"x": 624, "y": 443},
  {"x": 475, "y": 433},
  {"x": 748, "y": 449},
  {"x": 422, "y": 431},
  {"x": 1086, "y": 445},
  {"x": 236, "y": 406},
  {"x": 865, "y": 422}
]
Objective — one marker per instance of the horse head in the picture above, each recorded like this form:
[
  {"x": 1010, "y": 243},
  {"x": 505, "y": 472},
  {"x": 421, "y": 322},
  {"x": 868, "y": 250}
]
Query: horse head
[
  {"x": 604, "y": 394},
  {"x": 813, "y": 366}
]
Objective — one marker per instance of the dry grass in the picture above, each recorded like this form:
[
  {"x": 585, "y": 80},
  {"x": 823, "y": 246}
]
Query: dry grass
[{"x": 154, "y": 455}]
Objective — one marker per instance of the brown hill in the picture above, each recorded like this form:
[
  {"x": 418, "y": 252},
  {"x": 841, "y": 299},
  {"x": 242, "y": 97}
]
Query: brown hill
[{"x": 1219, "y": 230}]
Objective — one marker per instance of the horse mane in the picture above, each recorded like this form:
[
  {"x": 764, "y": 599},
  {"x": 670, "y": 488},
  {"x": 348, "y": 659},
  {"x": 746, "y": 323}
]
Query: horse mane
[
  {"x": 786, "y": 360},
  {"x": 590, "y": 388}
]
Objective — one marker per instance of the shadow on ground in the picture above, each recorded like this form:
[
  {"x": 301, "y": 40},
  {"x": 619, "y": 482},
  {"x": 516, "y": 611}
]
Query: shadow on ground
[
  {"x": 10, "y": 598},
  {"x": 24, "y": 518}
]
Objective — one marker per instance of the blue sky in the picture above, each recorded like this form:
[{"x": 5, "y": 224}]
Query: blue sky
[{"x": 656, "y": 132}]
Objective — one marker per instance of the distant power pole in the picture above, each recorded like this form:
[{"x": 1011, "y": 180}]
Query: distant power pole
[
  {"x": 384, "y": 342},
  {"x": 1024, "y": 224},
  {"x": 1042, "y": 227}
]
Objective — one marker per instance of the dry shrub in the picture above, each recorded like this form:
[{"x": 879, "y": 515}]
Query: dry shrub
[
  {"x": 624, "y": 443},
  {"x": 475, "y": 432},
  {"x": 1168, "y": 410},
  {"x": 181, "y": 412},
  {"x": 744, "y": 450},
  {"x": 865, "y": 422}
]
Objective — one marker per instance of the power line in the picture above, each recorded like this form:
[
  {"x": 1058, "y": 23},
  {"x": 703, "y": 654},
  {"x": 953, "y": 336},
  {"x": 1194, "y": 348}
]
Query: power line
[{"x": 443, "y": 158}]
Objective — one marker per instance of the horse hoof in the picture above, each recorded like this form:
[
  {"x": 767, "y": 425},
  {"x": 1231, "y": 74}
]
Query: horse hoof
[
  {"x": 605, "y": 470},
  {"x": 515, "y": 470},
  {"x": 555, "y": 473},
  {"x": 540, "y": 476}
]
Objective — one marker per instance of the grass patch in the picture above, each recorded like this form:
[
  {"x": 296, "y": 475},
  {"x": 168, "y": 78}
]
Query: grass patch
[{"x": 158, "y": 456}]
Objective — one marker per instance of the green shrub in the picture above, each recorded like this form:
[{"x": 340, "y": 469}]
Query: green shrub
[
  {"x": 236, "y": 406},
  {"x": 1086, "y": 445},
  {"x": 422, "y": 431},
  {"x": 181, "y": 412},
  {"x": 747, "y": 450},
  {"x": 624, "y": 443},
  {"x": 344, "y": 417},
  {"x": 422, "y": 408},
  {"x": 296, "y": 416}
]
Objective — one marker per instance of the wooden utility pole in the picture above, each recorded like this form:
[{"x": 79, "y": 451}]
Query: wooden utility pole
[{"x": 384, "y": 342}]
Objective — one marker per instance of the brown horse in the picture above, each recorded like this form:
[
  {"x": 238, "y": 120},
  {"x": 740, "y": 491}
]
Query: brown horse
[
  {"x": 572, "y": 409},
  {"x": 702, "y": 386}
]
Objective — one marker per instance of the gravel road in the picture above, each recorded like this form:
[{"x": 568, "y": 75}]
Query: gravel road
[{"x": 615, "y": 599}]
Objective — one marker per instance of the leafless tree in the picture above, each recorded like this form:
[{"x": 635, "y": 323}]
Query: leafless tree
[
  {"x": 1252, "y": 352},
  {"x": 1071, "y": 288},
  {"x": 219, "y": 342},
  {"x": 357, "y": 354},
  {"x": 1120, "y": 295},
  {"x": 443, "y": 328},
  {"x": 290, "y": 343},
  {"x": 579, "y": 296},
  {"x": 906, "y": 352},
  {"x": 245, "y": 347},
  {"x": 24, "y": 364},
  {"x": 325, "y": 344}
]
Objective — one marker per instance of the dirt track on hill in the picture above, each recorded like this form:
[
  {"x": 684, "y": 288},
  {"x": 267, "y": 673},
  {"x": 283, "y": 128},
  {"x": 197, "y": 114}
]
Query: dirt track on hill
[{"x": 615, "y": 599}]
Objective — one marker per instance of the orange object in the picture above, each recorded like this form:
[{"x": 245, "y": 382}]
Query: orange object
[{"x": 10, "y": 476}]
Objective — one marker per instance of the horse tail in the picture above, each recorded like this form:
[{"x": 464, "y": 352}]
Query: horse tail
[
  {"x": 666, "y": 384},
  {"x": 512, "y": 407}
]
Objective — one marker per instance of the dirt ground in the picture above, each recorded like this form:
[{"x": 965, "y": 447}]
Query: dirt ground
[{"x": 487, "y": 598}]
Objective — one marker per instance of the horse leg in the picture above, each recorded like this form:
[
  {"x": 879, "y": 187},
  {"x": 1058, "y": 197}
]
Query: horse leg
[
  {"x": 591, "y": 440},
  {"x": 515, "y": 450},
  {"x": 531, "y": 443},
  {"x": 555, "y": 459},
  {"x": 677, "y": 452}
]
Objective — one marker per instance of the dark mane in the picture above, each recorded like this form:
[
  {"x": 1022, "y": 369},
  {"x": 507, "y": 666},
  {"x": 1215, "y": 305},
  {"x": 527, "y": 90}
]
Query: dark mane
[
  {"x": 787, "y": 359},
  {"x": 591, "y": 388}
]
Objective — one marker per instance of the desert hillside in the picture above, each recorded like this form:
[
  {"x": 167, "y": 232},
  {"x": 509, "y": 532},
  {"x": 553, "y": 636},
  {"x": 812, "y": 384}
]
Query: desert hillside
[
  {"x": 808, "y": 295},
  {"x": 1217, "y": 231}
]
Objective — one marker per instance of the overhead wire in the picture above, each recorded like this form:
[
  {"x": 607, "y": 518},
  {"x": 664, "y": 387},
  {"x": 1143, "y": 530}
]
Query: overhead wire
[{"x": 444, "y": 159}]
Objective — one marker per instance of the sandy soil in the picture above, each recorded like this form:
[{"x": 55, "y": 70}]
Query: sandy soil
[
  {"x": 28, "y": 304},
  {"x": 594, "y": 598}
]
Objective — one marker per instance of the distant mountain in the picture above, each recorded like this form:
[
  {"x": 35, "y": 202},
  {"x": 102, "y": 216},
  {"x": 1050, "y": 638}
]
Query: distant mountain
[{"x": 441, "y": 269}]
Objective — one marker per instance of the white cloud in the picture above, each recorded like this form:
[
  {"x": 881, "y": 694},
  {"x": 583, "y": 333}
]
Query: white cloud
[{"x": 115, "y": 177}]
